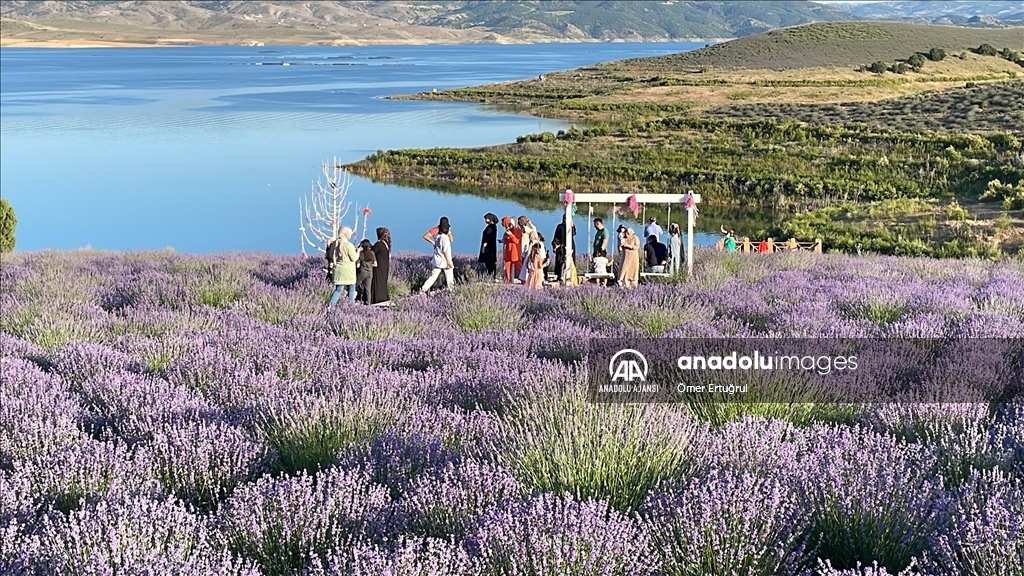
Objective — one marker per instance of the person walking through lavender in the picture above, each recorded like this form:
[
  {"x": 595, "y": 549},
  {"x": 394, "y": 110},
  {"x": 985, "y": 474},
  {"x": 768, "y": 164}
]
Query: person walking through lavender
[
  {"x": 442, "y": 260},
  {"x": 343, "y": 267},
  {"x": 382, "y": 252},
  {"x": 364, "y": 272}
]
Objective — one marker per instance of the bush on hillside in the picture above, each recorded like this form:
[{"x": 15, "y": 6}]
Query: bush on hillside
[
  {"x": 877, "y": 67},
  {"x": 8, "y": 221},
  {"x": 936, "y": 54},
  {"x": 916, "y": 61},
  {"x": 899, "y": 68},
  {"x": 985, "y": 50}
]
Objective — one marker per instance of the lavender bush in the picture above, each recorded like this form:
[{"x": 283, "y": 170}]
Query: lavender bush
[{"x": 173, "y": 414}]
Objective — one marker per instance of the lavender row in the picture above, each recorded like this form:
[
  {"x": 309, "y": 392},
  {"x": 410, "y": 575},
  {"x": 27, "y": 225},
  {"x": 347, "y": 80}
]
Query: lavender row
[{"x": 168, "y": 414}]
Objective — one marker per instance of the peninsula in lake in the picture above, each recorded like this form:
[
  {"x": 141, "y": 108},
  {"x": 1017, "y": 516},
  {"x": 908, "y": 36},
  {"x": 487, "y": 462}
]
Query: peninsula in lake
[{"x": 886, "y": 137}]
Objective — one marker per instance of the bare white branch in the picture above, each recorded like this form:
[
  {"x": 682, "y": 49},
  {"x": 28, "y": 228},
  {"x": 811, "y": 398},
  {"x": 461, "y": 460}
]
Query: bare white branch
[{"x": 321, "y": 212}]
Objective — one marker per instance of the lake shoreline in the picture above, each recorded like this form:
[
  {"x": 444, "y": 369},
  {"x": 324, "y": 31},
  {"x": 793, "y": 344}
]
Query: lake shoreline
[{"x": 341, "y": 43}]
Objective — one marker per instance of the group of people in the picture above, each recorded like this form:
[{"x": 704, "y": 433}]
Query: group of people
[
  {"x": 630, "y": 258},
  {"x": 526, "y": 258},
  {"x": 361, "y": 271},
  {"x": 524, "y": 254}
]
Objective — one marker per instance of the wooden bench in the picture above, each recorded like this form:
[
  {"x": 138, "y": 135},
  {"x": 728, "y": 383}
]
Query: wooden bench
[{"x": 648, "y": 275}]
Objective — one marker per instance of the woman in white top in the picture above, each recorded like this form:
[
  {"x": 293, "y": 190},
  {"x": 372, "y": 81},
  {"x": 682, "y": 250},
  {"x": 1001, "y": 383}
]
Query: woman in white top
[{"x": 442, "y": 260}]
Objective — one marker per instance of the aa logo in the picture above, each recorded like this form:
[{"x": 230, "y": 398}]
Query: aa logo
[{"x": 628, "y": 365}]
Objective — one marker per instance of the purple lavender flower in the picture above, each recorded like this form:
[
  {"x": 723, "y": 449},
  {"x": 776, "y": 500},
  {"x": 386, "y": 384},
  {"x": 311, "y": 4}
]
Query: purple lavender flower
[
  {"x": 86, "y": 472},
  {"x": 291, "y": 523},
  {"x": 551, "y": 536},
  {"x": 38, "y": 414},
  {"x": 729, "y": 523},
  {"x": 448, "y": 500},
  {"x": 202, "y": 462},
  {"x": 130, "y": 536},
  {"x": 986, "y": 532}
]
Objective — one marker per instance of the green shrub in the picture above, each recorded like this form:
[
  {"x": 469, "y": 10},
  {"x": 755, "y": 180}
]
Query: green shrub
[
  {"x": 877, "y": 67},
  {"x": 899, "y": 68},
  {"x": 986, "y": 50},
  {"x": 616, "y": 452},
  {"x": 8, "y": 221},
  {"x": 954, "y": 211},
  {"x": 936, "y": 54},
  {"x": 916, "y": 61},
  {"x": 309, "y": 435},
  {"x": 475, "y": 306},
  {"x": 1002, "y": 223}
]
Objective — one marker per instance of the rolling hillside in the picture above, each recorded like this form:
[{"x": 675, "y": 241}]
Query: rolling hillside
[{"x": 839, "y": 44}]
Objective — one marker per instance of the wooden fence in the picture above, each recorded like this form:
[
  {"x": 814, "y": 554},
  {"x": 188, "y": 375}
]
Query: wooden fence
[{"x": 770, "y": 245}]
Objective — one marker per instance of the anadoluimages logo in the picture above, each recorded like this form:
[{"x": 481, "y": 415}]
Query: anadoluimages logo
[{"x": 628, "y": 365}]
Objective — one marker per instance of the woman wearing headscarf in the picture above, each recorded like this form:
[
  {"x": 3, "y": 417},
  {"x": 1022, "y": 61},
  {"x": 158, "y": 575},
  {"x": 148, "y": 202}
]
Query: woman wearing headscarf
[
  {"x": 489, "y": 244},
  {"x": 675, "y": 248},
  {"x": 630, "y": 274},
  {"x": 530, "y": 237},
  {"x": 382, "y": 250},
  {"x": 513, "y": 253}
]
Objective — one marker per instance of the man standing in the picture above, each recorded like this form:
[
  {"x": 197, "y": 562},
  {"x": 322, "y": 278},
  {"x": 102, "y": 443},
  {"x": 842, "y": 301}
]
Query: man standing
[
  {"x": 600, "y": 237},
  {"x": 652, "y": 229},
  {"x": 343, "y": 266}
]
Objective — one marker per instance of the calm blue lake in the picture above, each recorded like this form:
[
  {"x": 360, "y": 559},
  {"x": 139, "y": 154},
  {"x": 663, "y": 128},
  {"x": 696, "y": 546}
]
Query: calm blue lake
[{"x": 208, "y": 149}]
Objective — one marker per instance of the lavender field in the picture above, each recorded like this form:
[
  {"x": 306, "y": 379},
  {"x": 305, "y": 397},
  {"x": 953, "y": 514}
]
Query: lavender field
[{"x": 172, "y": 414}]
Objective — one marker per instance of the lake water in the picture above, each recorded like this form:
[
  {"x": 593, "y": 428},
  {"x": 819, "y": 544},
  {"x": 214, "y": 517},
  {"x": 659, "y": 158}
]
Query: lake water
[{"x": 208, "y": 149}]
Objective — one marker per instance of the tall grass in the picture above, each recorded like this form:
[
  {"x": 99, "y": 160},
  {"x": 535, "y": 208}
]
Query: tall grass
[
  {"x": 478, "y": 306},
  {"x": 565, "y": 444}
]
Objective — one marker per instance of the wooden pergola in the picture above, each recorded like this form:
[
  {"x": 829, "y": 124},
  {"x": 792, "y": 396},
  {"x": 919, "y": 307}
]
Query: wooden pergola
[{"x": 622, "y": 199}]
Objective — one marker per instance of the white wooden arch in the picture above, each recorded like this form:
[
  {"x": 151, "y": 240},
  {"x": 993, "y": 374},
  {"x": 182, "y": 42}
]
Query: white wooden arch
[{"x": 621, "y": 199}]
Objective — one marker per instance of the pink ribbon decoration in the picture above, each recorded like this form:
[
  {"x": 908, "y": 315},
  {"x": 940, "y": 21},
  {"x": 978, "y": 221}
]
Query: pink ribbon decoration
[
  {"x": 633, "y": 205},
  {"x": 689, "y": 203},
  {"x": 570, "y": 198}
]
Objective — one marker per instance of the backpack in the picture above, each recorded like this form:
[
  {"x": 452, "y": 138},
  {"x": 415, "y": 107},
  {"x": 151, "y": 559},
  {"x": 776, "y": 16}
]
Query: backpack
[{"x": 332, "y": 256}]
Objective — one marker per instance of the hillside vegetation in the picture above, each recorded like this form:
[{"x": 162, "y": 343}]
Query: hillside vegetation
[
  {"x": 836, "y": 44},
  {"x": 324, "y": 22},
  {"x": 808, "y": 69},
  {"x": 928, "y": 161}
]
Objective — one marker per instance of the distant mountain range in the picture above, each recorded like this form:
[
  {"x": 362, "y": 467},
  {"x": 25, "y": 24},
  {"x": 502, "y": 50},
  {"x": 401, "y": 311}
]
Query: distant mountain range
[
  {"x": 444, "y": 21},
  {"x": 382, "y": 21},
  {"x": 992, "y": 13}
]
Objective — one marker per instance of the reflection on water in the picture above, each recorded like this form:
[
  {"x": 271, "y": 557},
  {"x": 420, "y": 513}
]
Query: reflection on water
[{"x": 203, "y": 150}]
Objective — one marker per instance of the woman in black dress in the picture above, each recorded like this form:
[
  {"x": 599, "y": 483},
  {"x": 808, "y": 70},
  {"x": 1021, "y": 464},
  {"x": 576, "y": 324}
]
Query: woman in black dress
[
  {"x": 489, "y": 244},
  {"x": 379, "y": 284}
]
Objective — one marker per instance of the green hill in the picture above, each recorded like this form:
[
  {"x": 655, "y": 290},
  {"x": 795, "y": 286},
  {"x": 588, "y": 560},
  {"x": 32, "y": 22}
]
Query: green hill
[{"x": 836, "y": 44}]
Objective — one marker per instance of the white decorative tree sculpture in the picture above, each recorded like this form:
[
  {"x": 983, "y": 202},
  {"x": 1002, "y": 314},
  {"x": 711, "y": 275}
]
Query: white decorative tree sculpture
[{"x": 322, "y": 211}]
